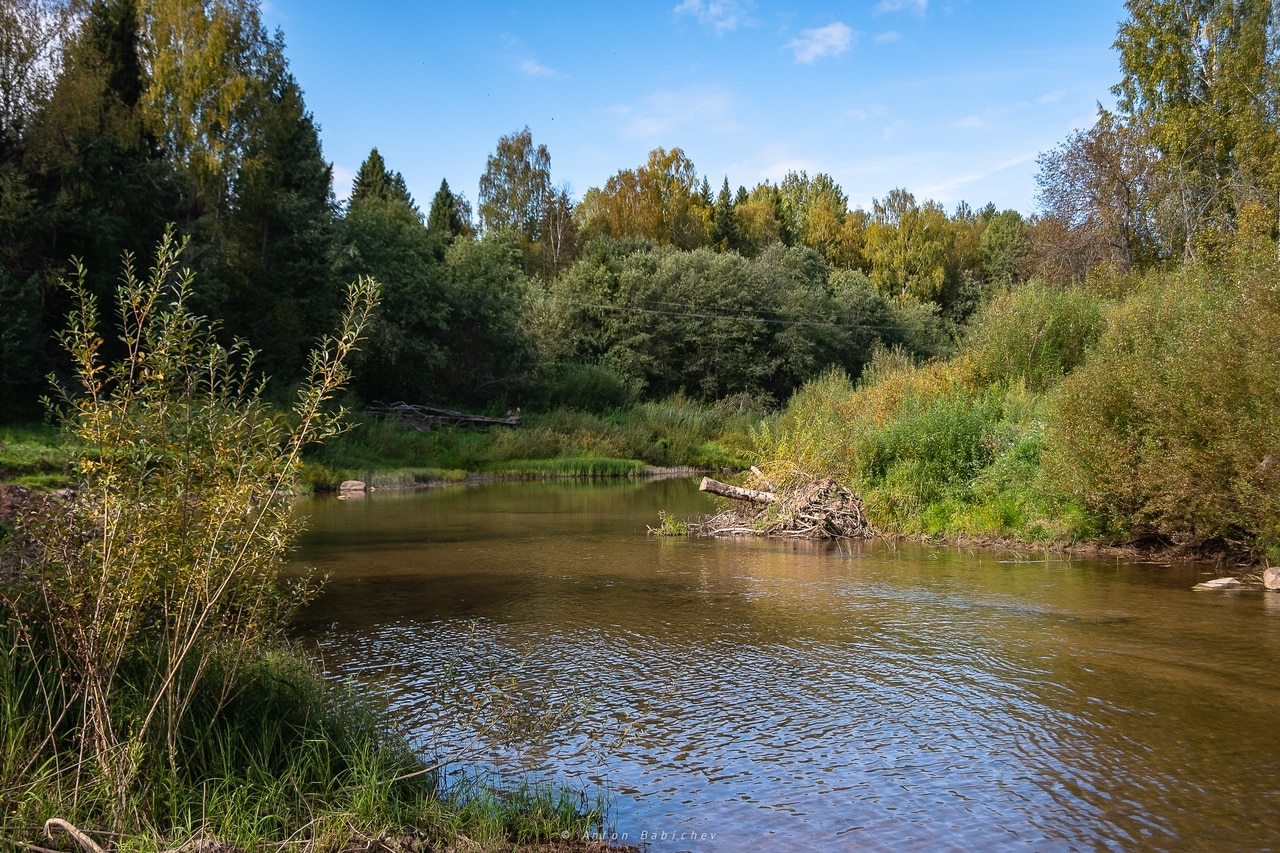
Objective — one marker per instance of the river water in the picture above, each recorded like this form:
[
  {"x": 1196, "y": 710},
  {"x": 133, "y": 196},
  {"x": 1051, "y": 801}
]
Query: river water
[{"x": 743, "y": 695}]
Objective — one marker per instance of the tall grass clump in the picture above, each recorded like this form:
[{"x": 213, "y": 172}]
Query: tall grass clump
[
  {"x": 928, "y": 451},
  {"x": 148, "y": 595},
  {"x": 1172, "y": 427}
]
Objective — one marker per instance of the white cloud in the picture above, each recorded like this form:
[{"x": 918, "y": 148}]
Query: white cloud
[
  {"x": 1051, "y": 97},
  {"x": 720, "y": 15},
  {"x": 664, "y": 111},
  {"x": 949, "y": 188},
  {"x": 343, "y": 177},
  {"x": 887, "y": 37},
  {"x": 972, "y": 122},
  {"x": 892, "y": 128},
  {"x": 533, "y": 68},
  {"x": 918, "y": 7},
  {"x": 831, "y": 40}
]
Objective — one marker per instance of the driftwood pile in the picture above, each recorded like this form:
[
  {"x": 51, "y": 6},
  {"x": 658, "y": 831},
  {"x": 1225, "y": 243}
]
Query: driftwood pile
[
  {"x": 426, "y": 417},
  {"x": 819, "y": 510}
]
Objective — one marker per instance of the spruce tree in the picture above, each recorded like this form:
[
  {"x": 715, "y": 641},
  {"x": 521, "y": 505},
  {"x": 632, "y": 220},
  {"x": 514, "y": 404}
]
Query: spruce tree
[
  {"x": 445, "y": 221},
  {"x": 724, "y": 226},
  {"x": 375, "y": 181}
]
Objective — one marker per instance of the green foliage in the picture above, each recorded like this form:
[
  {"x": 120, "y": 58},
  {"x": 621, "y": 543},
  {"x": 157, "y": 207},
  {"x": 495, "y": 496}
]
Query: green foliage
[
  {"x": 449, "y": 217},
  {"x": 490, "y": 354},
  {"x": 658, "y": 201},
  {"x": 908, "y": 246},
  {"x": 669, "y": 525},
  {"x": 516, "y": 186},
  {"x": 280, "y": 265},
  {"x": 585, "y": 387},
  {"x": 1171, "y": 427},
  {"x": 927, "y": 455},
  {"x": 1035, "y": 334},
  {"x": 713, "y": 324},
  {"x": 20, "y": 352},
  {"x": 376, "y": 182},
  {"x": 1202, "y": 78},
  {"x": 168, "y": 556},
  {"x": 408, "y": 345},
  {"x": 1003, "y": 249}
]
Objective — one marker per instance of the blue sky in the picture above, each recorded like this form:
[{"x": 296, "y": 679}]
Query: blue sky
[{"x": 949, "y": 99}]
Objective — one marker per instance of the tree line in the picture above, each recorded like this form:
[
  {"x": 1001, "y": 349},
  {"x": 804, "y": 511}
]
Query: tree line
[{"x": 118, "y": 117}]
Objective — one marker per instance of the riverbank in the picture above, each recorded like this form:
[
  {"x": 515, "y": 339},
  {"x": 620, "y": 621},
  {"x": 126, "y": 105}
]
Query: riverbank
[
  {"x": 672, "y": 433},
  {"x": 270, "y": 753},
  {"x": 283, "y": 758},
  {"x": 826, "y": 510}
]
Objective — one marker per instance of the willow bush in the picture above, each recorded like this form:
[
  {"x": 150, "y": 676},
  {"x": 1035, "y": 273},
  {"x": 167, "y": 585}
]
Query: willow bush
[
  {"x": 1035, "y": 334},
  {"x": 167, "y": 558},
  {"x": 1172, "y": 427}
]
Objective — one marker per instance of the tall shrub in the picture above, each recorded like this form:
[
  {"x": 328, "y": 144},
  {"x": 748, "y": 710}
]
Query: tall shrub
[
  {"x": 1036, "y": 333},
  {"x": 168, "y": 556},
  {"x": 1173, "y": 425}
]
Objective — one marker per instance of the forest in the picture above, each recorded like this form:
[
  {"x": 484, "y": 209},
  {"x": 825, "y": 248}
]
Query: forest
[{"x": 1148, "y": 267}]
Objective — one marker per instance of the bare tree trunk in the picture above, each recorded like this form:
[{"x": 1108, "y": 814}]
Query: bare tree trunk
[{"x": 737, "y": 493}]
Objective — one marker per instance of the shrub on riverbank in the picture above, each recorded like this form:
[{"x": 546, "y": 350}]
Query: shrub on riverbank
[
  {"x": 144, "y": 690},
  {"x": 1154, "y": 411},
  {"x": 1172, "y": 427}
]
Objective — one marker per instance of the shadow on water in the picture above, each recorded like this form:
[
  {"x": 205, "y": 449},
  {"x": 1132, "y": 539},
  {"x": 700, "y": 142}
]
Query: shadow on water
[{"x": 798, "y": 694}]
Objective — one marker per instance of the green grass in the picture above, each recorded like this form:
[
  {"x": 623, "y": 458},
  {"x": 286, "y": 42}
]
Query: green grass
[
  {"x": 36, "y": 455},
  {"x": 584, "y": 468},
  {"x": 288, "y": 759},
  {"x": 562, "y": 442}
]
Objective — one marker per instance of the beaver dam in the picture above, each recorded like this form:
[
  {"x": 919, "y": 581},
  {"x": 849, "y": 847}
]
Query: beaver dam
[{"x": 819, "y": 510}]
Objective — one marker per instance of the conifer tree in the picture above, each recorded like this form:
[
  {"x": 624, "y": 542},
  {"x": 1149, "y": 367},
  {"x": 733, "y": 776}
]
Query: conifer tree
[
  {"x": 724, "y": 226},
  {"x": 449, "y": 217},
  {"x": 375, "y": 180}
]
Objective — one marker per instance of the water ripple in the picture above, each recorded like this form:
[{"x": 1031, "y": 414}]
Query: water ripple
[{"x": 778, "y": 697}]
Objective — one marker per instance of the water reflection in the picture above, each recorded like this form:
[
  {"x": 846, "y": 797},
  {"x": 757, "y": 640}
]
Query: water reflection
[{"x": 797, "y": 694}]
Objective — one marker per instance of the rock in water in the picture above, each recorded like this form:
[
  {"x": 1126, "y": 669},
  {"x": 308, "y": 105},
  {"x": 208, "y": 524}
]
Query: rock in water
[
  {"x": 1271, "y": 578},
  {"x": 352, "y": 489},
  {"x": 1219, "y": 583}
]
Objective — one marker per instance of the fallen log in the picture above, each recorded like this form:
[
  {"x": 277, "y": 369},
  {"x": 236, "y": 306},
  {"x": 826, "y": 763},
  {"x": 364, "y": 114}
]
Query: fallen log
[
  {"x": 426, "y": 417},
  {"x": 737, "y": 493}
]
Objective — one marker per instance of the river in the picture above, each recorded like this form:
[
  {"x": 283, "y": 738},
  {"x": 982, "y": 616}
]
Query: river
[{"x": 748, "y": 694}]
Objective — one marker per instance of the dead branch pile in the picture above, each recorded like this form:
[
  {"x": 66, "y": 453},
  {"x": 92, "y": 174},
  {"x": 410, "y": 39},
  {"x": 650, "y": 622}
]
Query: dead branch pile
[
  {"x": 426, "y": 417},
  {"x": 819, "y": 510}
]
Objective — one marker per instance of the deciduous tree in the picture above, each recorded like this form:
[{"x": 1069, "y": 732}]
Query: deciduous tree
[
  {"x": 908, "y": 247},
  {"x": 515, "y": 186},
  {"x": 1202, "y": 78}
]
